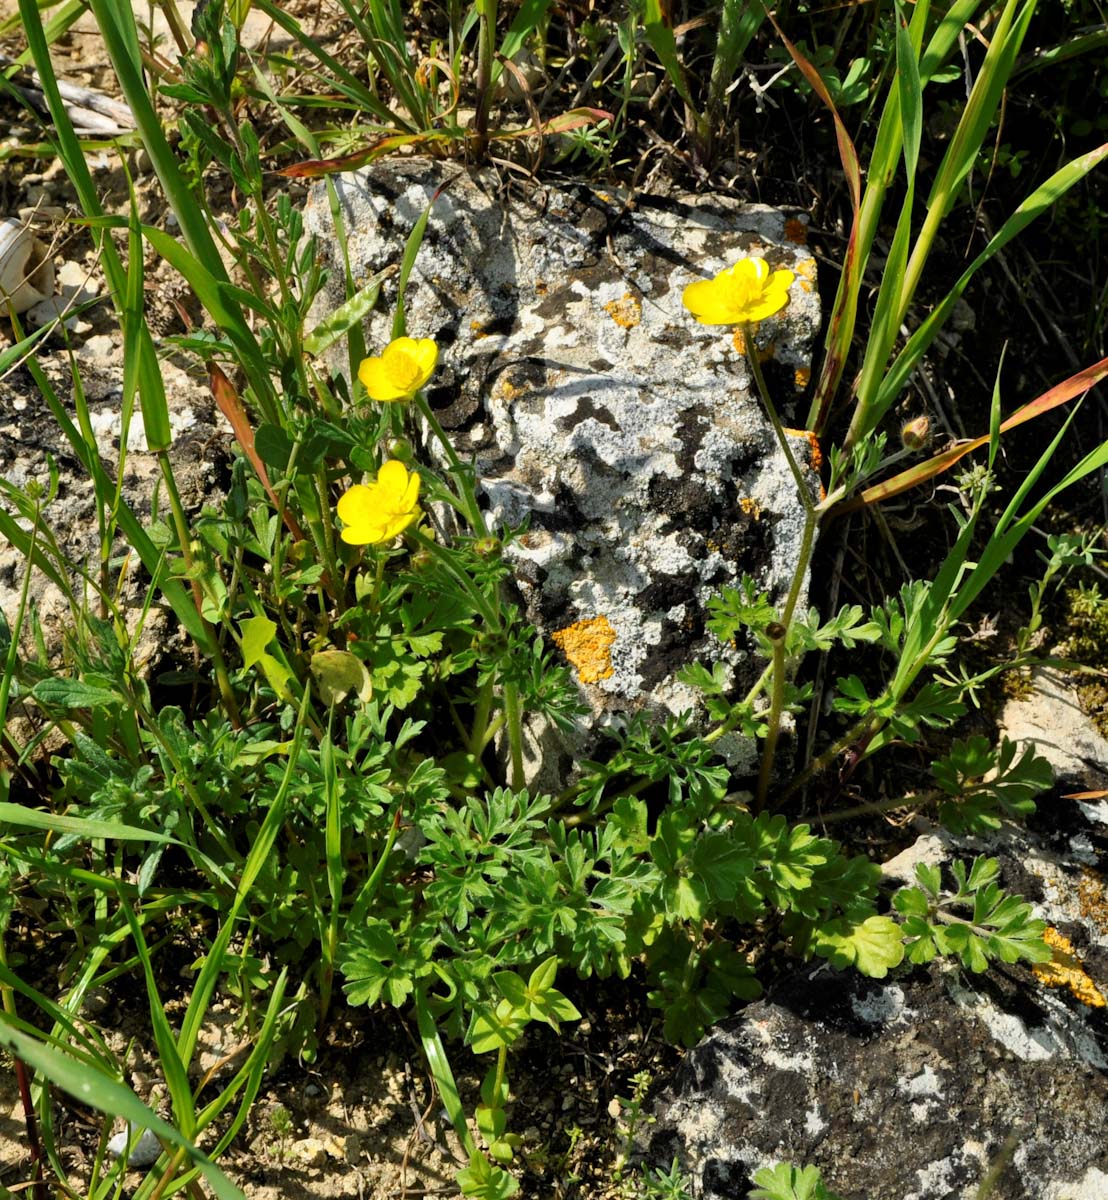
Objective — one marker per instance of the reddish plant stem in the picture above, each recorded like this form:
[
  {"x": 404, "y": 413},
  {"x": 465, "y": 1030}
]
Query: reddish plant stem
[{"x": 38, "y": 1184}]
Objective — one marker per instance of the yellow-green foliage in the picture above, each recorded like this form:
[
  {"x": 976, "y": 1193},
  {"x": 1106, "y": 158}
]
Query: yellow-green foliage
[{"x": 1086, "y": 640}]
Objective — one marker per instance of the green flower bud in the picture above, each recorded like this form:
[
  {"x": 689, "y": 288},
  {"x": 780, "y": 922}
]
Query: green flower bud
[{"x": 915, "y": 433}]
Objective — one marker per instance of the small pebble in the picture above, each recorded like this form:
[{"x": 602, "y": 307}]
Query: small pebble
[{"x": 145, "y": 1152}]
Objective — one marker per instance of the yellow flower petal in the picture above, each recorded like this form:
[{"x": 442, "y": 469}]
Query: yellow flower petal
[
  {"x": 426, "y": 353},
  {"x": 377, "y": 512},
  {"x": 352, "y": 504},
  {"x": 740, "y": 294},
  {"x": 400, "y": 370},
  {"x": 378, "y": 381},
  {"x": 704, "y": 301},
  {"x": 392, "y": 478}
]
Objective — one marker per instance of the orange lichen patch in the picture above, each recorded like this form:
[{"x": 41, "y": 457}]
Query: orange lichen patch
[
  {"x": 796, "y": 231},
  {"x": 541, "y": 288},
  {"x": 751, "y": 507},
  {"x": 626, "y": 311},
  {"x": 477, "y": 328},
  {"x": 505, "y": 389},
  {"x": 1092, "y": 900},
  {"x": 806, "y": 270},
  {"x": 1065, "y": 970},
  {"x": 813, "y": 442},
  {"x": 802, "y": 376},
  {"x": 765, "y": 353},
  {"x": 588, "y": 646}
]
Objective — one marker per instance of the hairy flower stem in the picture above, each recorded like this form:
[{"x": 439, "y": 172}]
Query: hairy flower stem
[
  {"x": 861, "y": 733},
  {"x": 925, "y": 800},
  {"x": 807, "y": 543},
  {"x": 776, "y": 633},
  {"x": 515, "y": 734},
  {"x": 469, "y": 496},
  {"x": 775, "y": 420}
]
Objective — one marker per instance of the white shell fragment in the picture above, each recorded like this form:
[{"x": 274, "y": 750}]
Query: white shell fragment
[
  {"x": 26, "y": 269},
  {"x": 145, "y": 1152}
]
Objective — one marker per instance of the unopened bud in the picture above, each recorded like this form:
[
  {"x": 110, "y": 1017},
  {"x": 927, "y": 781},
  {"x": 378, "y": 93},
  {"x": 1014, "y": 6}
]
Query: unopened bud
[
  {"x": 915, "y": 433},
  {"x": 400, "y": 448},
  {"x": 487, "y": 547},
  {"x": 775, "y": 631}
]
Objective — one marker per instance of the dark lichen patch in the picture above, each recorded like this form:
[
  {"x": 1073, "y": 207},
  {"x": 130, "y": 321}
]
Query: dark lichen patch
[
  {"x": 673, "y": 651},
  {"x": 565, "y": 516},
  {"x": 690, "y": 433},
  {"x": 587, "y": 409},
  {"x": 1059, "y": 821},
  {"x": 686, "y": 502},
  {"x": 551, "y": 309},
  {"x": 667, "y": 591},
  {"x": 742, "y": 539},
  {"x": 454, "y": 407}
]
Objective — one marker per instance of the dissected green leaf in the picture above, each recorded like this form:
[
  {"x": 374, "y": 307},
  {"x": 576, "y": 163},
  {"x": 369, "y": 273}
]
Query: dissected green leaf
[
  {"x": 873, "y": 946},
  {"x": 786, "y": 1182}
]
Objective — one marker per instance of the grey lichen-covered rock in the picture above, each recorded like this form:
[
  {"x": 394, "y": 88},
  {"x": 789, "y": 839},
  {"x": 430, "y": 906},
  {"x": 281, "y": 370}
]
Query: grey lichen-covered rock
[
  {"x": 596, "y": 409},
  {"x": 915, "y": 1087}
]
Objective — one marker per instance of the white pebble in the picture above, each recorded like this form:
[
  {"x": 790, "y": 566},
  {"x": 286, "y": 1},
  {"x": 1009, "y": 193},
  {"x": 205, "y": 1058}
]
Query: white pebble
[{"x": 146, "y": 1150}]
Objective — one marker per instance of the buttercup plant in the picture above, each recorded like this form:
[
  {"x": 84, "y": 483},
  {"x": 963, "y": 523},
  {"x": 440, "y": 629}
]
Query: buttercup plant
[{"x": 350, "y": 817}]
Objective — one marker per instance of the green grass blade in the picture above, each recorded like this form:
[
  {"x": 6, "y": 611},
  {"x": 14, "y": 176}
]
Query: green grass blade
[
  {"x": 218, "y": 297},
  {"x": 883, "y": 165},
  {"x": 524, "y": 24},
  {"x": 32, "y": 552},
  {"x": 12, "y": 356},
  {"x": 117, "y": 27},
  {"x": 946, "y": 37},
  {"x": 910, "y": 90},
  {"x": 176, "y": 1077},
  {"x": 659, "y": 33},
  {"x": 33, "y": 818},
  {"x": 255, "y": 860},
  {"x": 152, "y": 559},
  {"x": 992, "y": 79},
  {"x": 351, "y": 313},
  {"x": 411, "y": 250},
  {"x": 141, "y": 373},
  {"x": 249, "y": 1077},
  {"x": 100, "y": 1091},
  {"x": 1011, "y": 531},
  {"x": 1041, "y": 200},
  {"x": 443, "y": 1076},
  {"x": 1058, "y": 395},
  {"x": 63, "y": 1020},
  {"x": 739, "y": 22},
  {"x": 338, "y": 76}
]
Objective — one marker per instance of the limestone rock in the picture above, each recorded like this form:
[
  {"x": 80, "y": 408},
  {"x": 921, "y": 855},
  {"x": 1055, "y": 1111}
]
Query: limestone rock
[
  {"x": 1052, "y": 720},
  {"x": 595, "y": 408},
  {"x": 913, "y": 1087}
]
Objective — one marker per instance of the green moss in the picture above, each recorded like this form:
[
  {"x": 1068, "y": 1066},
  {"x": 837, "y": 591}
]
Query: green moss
[{"x": 1084, "y": 632}]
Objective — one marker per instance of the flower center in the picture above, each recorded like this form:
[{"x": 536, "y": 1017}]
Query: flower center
[
  {"x": 404, "y": 369},
  {"x": 742, "y": 291}
]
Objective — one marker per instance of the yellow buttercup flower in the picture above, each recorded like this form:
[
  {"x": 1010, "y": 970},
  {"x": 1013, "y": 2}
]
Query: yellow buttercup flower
[
  {"x": 400, "y": 370},
  {"x": 376, "y": 512},
  {"x": 739, "y": 295}
]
